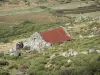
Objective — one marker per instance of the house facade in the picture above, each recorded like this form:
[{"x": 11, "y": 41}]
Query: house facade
[{"x": 35, "y": 42}]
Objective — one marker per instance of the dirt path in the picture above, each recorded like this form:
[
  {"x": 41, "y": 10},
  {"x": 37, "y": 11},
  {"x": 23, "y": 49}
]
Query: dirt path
[
  {"x": 5, "y": 47},
  {"x": 19, "y": 11},
  {"x": 72, "y": 5}
]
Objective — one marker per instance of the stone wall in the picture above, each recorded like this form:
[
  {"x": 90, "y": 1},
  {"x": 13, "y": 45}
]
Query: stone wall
[{"x": 35, "y": 42}]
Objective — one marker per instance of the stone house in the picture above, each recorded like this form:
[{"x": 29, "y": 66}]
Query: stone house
[{"x": 44, "y": 39}]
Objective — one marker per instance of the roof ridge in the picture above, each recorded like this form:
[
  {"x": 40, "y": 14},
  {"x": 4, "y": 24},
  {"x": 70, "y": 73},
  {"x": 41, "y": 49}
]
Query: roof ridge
[{"x": 50, "y": 29}]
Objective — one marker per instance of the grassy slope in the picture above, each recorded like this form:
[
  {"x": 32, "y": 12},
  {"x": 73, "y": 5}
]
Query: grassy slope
[
  {"x": 23, "y": 30},
  {"x": 35, "y": 63}
]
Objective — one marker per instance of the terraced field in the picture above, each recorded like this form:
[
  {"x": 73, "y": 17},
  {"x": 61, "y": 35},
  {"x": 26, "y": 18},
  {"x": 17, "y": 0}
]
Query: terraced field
[{"x": 43, "y": 13}]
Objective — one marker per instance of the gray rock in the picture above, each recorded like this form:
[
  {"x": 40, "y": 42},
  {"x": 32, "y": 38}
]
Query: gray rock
[
  {"x": 92, "y": 51},
  {"x": 98, "y": 51},
  {"x": 73, "y": 53},
  {"x": 16, "y": 53}
]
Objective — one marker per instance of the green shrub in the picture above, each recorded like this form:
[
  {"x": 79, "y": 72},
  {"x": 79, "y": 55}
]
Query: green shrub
[
  {"x": 23, "y": 67},
  {"x": 26, "y": 22},
  {"x": 1, "y": 54},
  {"x": 43, "y": 7},
  {"x": 3, "y": 63},
  {"x": 13, "y": 66},
  {"x": 4, "y": 73},
  {"x": 98, "y": 59},
  {"x": 8, "y": 57},
  {"x": 4, "y": 40},
  {"x": 41, "y": 67},
  {"x": 32, "y": 73}
]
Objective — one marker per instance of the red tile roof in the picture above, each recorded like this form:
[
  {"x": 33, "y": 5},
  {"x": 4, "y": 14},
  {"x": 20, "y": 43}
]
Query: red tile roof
[{"x": 55, "y": 35}]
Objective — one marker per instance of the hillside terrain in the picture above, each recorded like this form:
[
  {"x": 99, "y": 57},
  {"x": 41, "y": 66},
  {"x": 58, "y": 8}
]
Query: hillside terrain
[{"x": 19, "y": 19}]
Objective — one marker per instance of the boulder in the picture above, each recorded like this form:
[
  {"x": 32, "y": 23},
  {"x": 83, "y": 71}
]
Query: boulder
[
  {"x": 92, "y": 51},
  {"x": 98, "y": 51},
  {"x": 19, "y": 45},
  {"x": 16, "y": 53},
  {"x": 52, "y": 56},
  {"x": 73, "y": 53},
  {"x": 69, "y": 61}
]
